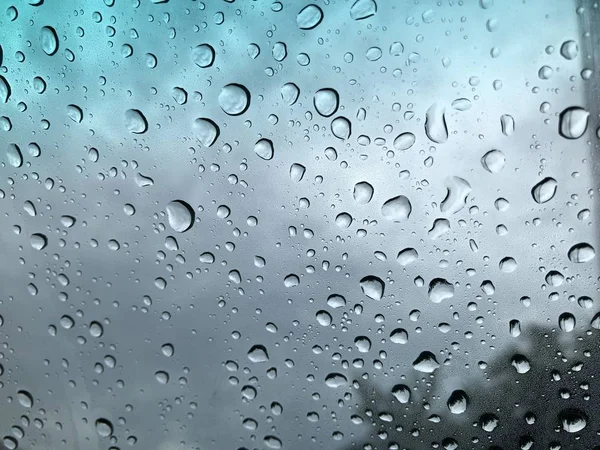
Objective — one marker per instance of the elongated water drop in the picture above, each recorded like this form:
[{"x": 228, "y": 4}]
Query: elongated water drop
[
  {"x": 545, "y": 190},
  {"x": 180, "y": 215},
  {"x": 573, "y": 122},
  {"x": 435, "y": 124},
  {"x": 49, "y": 40}
]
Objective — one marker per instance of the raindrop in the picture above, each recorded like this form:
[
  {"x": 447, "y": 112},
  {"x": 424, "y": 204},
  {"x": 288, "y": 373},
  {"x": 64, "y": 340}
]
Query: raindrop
[
  {"x": 49, "y": 40},
  {"x": 569, "y": 50},
  {"x": 203, "y": 55},
  {"x": 566, "y": 322},
  {"x": 326, "y": 102},
  {"x": 291, "y": 281},
  {"x": 493, "y": 161},
  {"x": 363, "y": 192},
  {"x": 38, "y": 241},
  {"x": 162, "y": 377},
  {"x": 435, "y": 124},
  {"x": 362, "y": 9},
  {"x": 309, "y": 17},
  {"x": 104, "y": 427},
  {"x": 458, "y": 189},
  {"x": 336, "y": 301},
  {"x": 297, "y": 172},
  {"x": 234, "y": 99},
  {"x": 372, "y": 287},
  {"x": 335, "y": 380},
  {"x": 401, "y": 392},
  {"x": 25, "y": 399},
  {"x": 440, "y": 289},
  {"x": 426, "y": 363},
  {"x": 14, "y": 155},
  {"x": 75, "y": 113},
  {"x": 341, "y": 128},
  {"x": 573, "y": 122},
  {"x": 343, "y": 220},
  {"x": 581, "y": 253},
  {"x": 544, "y": 191},
  {"x": 407, "y": 256},
  {"x": 404, "y": 141},
  {"x": 4, "y": 90},
  {"x": 290, "y": 93},
  {"x": 507, "y": 123},
  {"x": 572, "y": 420},
  {"x": 207, "y": 131},
  {"x": 458, "y": 402},
  {"x": 399, "y": 336},
  {"x": 397, "y": 209},
  {"x": 362, "y": 343},
  {"x": 508, "y": 264},
  {"x": 180, "y": 215},
  {"x": 323, "y": 318},
  {"x": 258, "y": 354},
  {"x": 264, "y": 149},
  {"x": 521, "y": 364},
  {"x": 135, "y": 121}
]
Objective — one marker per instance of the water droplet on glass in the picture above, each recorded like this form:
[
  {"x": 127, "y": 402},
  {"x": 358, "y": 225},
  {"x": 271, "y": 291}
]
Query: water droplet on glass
[
  {"x": 135, "y": 121},
  {"x": 566, "y": 322},
  {"x": 435, "y": 124},
  {"x": 521, "y": 364},
  {"x": 323, "y": 318},
  {"x": 162, "y": 377},
  {"x": 297, "y": 172},
  {"x": 14, "y": 155},
  {"x": 291, "y": 280},
  {"x": 425, "y": 362},
  {"x": 362, "y": 344},
  {"x": 336, "y": 301},
  {"x": 38, "y": 241},
  {"x": 25, "y": 399},
  {"x": 104, "y": 427},
  {"x": 75, "y": 113},
  {"x": 458, "y": 402},
  {"x": 203, "y": 55},
  {"x": 372, "y": 287},
  {"x": 363, "y": 192},
  {"x": 264, "y": 149},
  {"x": 397, "y": 209},
  {"x": 309, "y": 17},
  {"x": 544, "y": 191},
  {"x": 458, "y": 189},
  {"x": 572, "y": 420},
  {"x": 341, "y": 128},
  {"x": 258, "y": 354},
  {"x": 569, "y": 50},
  {"x": 326, "y": 101},
  {"x": 4, "y": 90},
  {"x": 402, "y": 393},
  {"x": 180, "y": 215},
  {"x": 573, "y": 122},
  {"x": 343, "y": 220},
  {"x": 404, "y": 141},
  {"x": 234, "y": 99},
  {"x": 399, "y": 336},
  {"x": 335, "y": 380},
  {"x": 581, "y": 253},
  {"x": 407, "y": 256},
  {"x": 439, "y": 228},
  {"x": 49, "y": 40},
  {"x": 493, "y": 161},
  {"x": 290, "y": 93},
  {"x": 206, "y": 130},
  {"x": 440, "y": 289},
  {"x": 362, "y": 9}
]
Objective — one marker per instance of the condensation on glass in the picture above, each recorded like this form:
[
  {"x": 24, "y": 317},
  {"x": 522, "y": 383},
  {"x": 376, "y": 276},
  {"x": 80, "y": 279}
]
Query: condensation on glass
[{"x": 337, "y": 224}]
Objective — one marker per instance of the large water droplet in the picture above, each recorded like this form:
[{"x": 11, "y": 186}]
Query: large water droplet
[
  {"x": 25, "y": 399},
  {"x": 38, "y": 241},
  {"x": 544, "y": 191},
  {"x": 407, "y": 256},
  {"x": 581, "y": 253},
  {"x": 290, "y": 93},
  {"x": 435, "y": 124},
  {"x": 207, "y": 131},
  {"x": 180, "y": 215},
  {"x": 566, "y": 322},
  {"x": 135, "y": 121},
  {"x": 520, "y": 363},
  {"x": 234, "y": 99},
  {"x": 75, "y": 113},
  {"x": 404, "y": 141},
  {"x": 458, "y": 189},
  {"x": 401, "y": 392},
  {"x": 458, "y": 402},
  {"x": 335, "y": 380},
  {"x": 326, "y": 102},
  {"x": 309, "y": 17},
  {"x": 203, "y": 55},
  {"x": 372, "y": 287},
  {"x": 343, "y": 220},
  {"x": 572, "y": 420},
  {"x": 573, "y": 122},
  {"x": 569, "y": 50},
  {"x": 440, "y": 289},
  {"x": 362, "y": 344},
  {"x": 426, "y": 362},
  {"x": 439, "y": 228},
  {"x": 493, "y": 161},
  {"x": 507, "y": 124},
  {"x": 4, "y": 90},
  {"x": 104, "y": 427},
  {"x": 14, "y": 155},
  {"x": 341, "y": 128},
  {"x": 362, "y": 9},
  {"x": 49, "y": 40},
  {"x": 363, "y": 192},
  {"x": 258, "y": 354},
  {"x": 264, "y": 149},
  {"x": 397, "y": 209},
  {"x": 399, "y": 336},
  {"x": 336, "y": 301},
  {"x": 297, "y": 172},
  {"x": 291, "y": 280}
]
